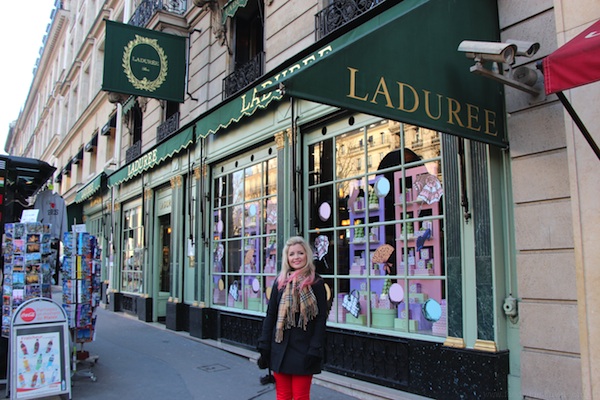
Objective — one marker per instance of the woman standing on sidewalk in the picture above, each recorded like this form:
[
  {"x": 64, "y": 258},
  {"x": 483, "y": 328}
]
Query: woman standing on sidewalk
[{"x": 293, "y": 332}]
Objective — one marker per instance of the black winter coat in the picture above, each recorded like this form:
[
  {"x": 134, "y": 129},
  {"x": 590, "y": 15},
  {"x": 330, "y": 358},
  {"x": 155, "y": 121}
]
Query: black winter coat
[{"x": 289, "y": 356}]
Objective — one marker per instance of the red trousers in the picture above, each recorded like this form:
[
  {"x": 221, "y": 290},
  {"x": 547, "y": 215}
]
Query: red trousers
[{"x": 290, "y": 387}]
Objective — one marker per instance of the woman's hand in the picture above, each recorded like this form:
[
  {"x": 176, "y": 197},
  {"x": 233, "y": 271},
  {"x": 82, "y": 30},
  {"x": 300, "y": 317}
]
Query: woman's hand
[{"x": 264, "y": 360}]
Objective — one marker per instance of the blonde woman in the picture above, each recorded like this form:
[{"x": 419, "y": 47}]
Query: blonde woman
[{"x": 293, "y": 332}]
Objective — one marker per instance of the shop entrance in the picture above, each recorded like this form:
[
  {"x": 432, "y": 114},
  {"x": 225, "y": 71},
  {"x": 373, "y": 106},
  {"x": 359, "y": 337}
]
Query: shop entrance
[{"x": 165, "y": 263}]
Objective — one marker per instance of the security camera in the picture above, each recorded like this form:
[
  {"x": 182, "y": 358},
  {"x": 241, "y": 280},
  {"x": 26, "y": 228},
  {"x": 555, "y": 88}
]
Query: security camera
[
  {"x": 524, "y": 48},
  {"x": 489, "y": 51}
]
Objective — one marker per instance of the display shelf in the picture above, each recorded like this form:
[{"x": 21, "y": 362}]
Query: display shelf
[
  {"x": 365, "y": 209},
  {"x": 28, "y": 264},
  {"x": 419, "y": 260}
]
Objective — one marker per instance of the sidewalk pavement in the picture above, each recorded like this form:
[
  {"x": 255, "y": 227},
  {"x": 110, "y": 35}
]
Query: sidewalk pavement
[{"x": 145, "y": 361}]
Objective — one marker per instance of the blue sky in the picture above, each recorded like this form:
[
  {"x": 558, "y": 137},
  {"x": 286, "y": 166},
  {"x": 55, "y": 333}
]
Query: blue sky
[{"x": 22, "y": 28}]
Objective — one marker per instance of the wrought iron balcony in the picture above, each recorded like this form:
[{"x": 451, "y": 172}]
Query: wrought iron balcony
[
  {"x": 339, "y": 13},
  {"x": 133, "y": 152},
  {"x": 243, "y": 76},
  {"x": 148, "y": 8},
  {"x": 166, "y": 129}
]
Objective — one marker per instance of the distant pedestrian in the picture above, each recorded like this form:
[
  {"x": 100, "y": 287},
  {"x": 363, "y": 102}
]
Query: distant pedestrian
[{"x": 293, "y": 332}]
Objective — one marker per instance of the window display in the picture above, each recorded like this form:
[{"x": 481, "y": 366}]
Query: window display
[
  {"x": 133, "y": 251},
  {"x": 244, "y": 235},
  {"x": 375, "y": 214}
]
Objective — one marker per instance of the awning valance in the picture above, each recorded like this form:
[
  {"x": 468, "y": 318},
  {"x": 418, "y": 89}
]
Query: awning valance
[
  {"x": 231, "y": 8},
  {"x": 91, "y": 188},
  {"x": 154, "y": 156}
]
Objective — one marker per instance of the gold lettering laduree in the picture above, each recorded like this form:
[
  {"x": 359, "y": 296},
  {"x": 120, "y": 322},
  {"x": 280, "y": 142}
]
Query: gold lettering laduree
[
  {"x": 141, "y": 60},
  {"x": 409, "y": 99},
  {"x": 258, "y": 100},
  {"x": 142, "y": 163}
]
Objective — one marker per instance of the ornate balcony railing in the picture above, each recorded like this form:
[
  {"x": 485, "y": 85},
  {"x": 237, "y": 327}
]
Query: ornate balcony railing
[
  {"x": 243, "y": 76},
  {"x": 340, "y": 12},
  {"x": 133, "y": 152},
  {"x": 148, "y": 8},
  {"x": 167, "y": 128}
]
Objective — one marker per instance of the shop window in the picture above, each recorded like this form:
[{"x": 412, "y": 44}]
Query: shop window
[
  {"x": 378, "y": 233},
  {"x": 244, "y": 232},
  {"x": 132, "y": 250}
]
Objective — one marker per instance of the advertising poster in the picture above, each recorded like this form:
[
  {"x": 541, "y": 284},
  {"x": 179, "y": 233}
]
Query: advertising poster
[
  {"x": 39, "y": 362},
  {"x": 40, "y": 347}
]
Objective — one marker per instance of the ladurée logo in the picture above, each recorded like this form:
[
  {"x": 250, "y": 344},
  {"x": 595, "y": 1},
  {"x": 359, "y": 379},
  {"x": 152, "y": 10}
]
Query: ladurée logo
[{"x": 145, "y": 63}]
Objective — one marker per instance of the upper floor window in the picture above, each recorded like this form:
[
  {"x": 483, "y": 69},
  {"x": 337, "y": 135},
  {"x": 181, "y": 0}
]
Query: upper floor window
[{"x": 248, "y": 47}]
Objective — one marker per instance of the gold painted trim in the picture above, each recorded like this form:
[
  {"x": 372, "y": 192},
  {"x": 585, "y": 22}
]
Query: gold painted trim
[
  {"x": 485, "y": 345},
  {"x": 176, "y": 181},
  {"x": 290, "y": 136},
  {"x": 279, "y": 140},
  {"x": 197, "y": 174},
  {"x": 458, "y": 343}
]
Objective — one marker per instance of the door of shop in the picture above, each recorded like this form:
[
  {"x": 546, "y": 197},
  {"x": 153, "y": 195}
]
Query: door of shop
[{"x": 163, "y": 254}]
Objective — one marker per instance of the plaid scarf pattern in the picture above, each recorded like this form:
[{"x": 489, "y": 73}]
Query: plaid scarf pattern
[{"x": 295, "y": 300}]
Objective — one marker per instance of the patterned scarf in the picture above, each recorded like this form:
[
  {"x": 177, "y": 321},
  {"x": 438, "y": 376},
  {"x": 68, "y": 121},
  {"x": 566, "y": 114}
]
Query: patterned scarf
[{"x": 293, "y": 301}]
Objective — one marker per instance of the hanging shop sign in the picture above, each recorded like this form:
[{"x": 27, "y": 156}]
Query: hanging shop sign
[
  {"x": 154, "y": 156},
  {"x": 144, "y": 62},
  {"x": 39, "y": 345}
]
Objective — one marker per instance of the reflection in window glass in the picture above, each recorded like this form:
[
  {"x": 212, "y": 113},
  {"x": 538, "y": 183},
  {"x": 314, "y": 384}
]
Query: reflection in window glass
[
  {"x": 375, "y": 214},
  {"x": 244, "y": 226},
  {"x": 133, "y": 251}
]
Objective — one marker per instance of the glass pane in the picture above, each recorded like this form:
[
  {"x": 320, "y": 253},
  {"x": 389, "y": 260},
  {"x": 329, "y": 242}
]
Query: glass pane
[
  {"x": 253, "y": 182},
  {"x": 237, "y": 187},
  {"x": 270, "y": 217},
  {"x": 271, "y": 178},
  {"x": 350, "y": 159},
  {"x": 320, "y": 207}
]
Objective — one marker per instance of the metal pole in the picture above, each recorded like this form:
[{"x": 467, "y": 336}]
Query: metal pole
[{"x": 579, "y": 123}]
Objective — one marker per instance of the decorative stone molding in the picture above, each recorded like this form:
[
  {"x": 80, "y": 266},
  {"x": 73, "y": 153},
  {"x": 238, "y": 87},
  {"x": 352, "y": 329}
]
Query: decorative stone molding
[
  {"x": 143, "y": 103},
  {"x": 176, "y": 181},
  {"x": 280, "y": 139},
  {"x": 197, "y": 174},
  {"x": 114, "y": 97}
]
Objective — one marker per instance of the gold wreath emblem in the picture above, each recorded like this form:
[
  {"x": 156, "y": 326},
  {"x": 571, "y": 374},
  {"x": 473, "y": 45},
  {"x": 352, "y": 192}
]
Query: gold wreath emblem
[{"x": 145, "y": 83}]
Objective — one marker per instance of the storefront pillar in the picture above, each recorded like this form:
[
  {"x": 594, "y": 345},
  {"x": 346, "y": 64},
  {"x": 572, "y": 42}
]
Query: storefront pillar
[
  {"x": 114, "y": 301},
  {"x": 177, "y": 316},
  {"x": 144, "y": 308}
]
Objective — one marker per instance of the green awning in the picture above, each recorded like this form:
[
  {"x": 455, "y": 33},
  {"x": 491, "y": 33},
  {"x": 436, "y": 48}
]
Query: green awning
[
  {"x": 403, "y": 64},
  {"x": 231, "y": 8},
  {"x": 91, "y": 188},
  {"x": 153, "y": 157},
  {"x": 400, "y": 64},
  {"x": 128, "y": 105}
]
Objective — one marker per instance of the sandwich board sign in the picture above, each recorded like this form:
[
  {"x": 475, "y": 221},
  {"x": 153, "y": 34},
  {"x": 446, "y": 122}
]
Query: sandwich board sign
[{"x": 39, "y": 351}]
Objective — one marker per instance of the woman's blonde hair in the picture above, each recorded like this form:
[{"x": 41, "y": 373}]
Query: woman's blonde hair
[{"x": 282, "y": 278}]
